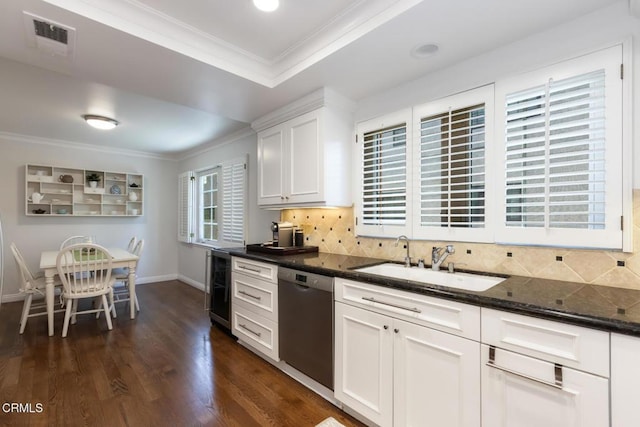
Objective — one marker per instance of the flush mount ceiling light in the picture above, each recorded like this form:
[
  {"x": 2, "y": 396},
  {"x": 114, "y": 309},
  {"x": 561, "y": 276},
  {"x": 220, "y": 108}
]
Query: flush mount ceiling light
[
  {"x": 266, "y": 5},
  {"x": 100, "y": 122},
  {"x": 424, "y": 50}
]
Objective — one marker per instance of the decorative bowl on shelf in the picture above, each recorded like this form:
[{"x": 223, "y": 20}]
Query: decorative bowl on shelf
[
  {"x": 133, "y": 185},
  {"x": 38, "y": 211},
  {"x": 61, "y": 211}
]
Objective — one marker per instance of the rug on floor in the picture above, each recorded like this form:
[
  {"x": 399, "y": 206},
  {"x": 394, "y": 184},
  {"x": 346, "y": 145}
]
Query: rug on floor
[{"x": 330, "y": 422}]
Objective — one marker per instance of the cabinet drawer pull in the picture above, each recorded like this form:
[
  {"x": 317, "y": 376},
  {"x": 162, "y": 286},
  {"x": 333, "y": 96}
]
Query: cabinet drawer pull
[
  {"x": 557, "y": 371},
  {"x": 254, "y": 270},
  {"x": 258, "y": 334},
  {"x": 415, "y": 310},
  {"x": 250, "y": 296}
]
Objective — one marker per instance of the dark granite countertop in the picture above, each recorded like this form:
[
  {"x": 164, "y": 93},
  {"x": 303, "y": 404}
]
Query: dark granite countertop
[{"x": 601, "y": 307}]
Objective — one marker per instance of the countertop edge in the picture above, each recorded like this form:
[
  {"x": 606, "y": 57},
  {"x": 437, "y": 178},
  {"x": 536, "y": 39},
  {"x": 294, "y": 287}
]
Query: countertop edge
[{"x": 481, "y": 299}]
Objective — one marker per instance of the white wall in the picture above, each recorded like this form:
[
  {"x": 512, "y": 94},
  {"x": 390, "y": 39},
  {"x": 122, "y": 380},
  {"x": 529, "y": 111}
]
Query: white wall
[
  {"x": 32, "y": 234},
  {"x": 191, "y": 257},
  {"x": 585, "y": 34}
]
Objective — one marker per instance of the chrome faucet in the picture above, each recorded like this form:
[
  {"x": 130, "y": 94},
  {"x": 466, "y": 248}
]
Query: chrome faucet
[
  {"x": 407, "y": 259},
  {"x": 438, "y": 255}
]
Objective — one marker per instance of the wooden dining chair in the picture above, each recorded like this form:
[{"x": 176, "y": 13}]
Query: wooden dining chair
[
  {"x": 73, "y": 240},
  {"x": 73, "y": 264},
  {"x": 132, "y": 244},
  {"x": 31, "y": 285},
  {"x": 121, "y": 291}
]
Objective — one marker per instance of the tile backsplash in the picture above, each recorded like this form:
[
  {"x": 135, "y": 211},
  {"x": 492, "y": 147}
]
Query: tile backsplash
[{"x": 332, "y": 230}]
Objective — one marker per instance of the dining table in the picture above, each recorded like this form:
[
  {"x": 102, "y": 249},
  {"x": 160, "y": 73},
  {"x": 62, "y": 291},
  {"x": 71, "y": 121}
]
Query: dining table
[{"x": 120, "y": 258}]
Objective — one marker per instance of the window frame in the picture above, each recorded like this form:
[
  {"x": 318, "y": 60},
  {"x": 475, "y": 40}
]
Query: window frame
[
  {"x": 190, "y": 201},
  {"x": 200, "y": 221}
]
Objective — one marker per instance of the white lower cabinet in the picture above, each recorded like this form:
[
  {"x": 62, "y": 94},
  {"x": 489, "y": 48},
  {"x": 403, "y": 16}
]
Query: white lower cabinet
[
  {"x": 521, "y": 391},
  {"x": 625, "y": 380},
  {"x": 254, "y": 305},
  {"x": 543, "y": 373},
  {"x": 436, "y": 378},
  {"x": 399, "y": 373}
]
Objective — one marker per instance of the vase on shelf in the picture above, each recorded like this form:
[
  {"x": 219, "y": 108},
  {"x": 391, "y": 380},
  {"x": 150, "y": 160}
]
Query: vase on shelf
[
  {"x": 93, "y": 184},
  {"x": 133, "y": 197}
]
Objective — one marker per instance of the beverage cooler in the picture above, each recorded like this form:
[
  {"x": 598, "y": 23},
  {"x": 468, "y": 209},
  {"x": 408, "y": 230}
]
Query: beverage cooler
[{"x": 219, "y": 288}]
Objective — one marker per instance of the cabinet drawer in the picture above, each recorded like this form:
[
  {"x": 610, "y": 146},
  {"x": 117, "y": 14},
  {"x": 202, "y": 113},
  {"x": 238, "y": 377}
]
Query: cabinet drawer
[
  {"x": 569, "y": 345},
  {"x": 444, "y": 315},
  {"x": 260, "y": 270},
  {"x": 519, "y": 390},
  {"x": 260, "y": 296},
  {"x": 255, "y": 330}
]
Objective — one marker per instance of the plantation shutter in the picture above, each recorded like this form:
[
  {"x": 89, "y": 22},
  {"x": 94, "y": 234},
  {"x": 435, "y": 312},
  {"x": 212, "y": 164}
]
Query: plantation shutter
[
  {"x": 452, "y": 170},
  {"x": 562, "y": 159},
  {"x": 383, "y": 204},
  {"x": 233, "y": 201},
  {"x": 555, "y": 154},
  {"x": 450, "y": 167},
  {"x": 185, "y": 207},
  {"x": 385, "y": 176}
]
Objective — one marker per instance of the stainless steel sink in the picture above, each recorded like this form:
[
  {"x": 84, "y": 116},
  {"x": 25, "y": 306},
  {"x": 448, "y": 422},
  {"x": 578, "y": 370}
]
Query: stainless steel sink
[{"x": 466, "y": 281}]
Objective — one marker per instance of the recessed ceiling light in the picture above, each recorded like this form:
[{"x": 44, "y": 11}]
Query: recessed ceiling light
[
  {"x": 266, "y": 5},
  {"x": 424, "y": 50},
  {"x": 100, "y": 122}
]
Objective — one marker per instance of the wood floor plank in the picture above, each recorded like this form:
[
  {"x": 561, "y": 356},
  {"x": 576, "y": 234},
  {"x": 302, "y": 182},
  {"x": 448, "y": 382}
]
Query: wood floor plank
[{"x": 167, "y": 367}]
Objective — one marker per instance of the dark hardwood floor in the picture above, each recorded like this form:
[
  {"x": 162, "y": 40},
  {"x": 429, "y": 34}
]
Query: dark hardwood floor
[{"x": 167, "y": 367}]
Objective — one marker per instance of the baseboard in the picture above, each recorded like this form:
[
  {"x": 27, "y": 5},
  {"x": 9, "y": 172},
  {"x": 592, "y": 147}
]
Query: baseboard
[
  {"x": 139, "y": 281},
  {"x": 152, "y": 279},
  {"x": 191, "y": 282}
]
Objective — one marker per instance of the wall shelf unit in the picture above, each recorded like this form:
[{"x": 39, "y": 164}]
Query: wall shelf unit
[{"x": 68, "y": 192}]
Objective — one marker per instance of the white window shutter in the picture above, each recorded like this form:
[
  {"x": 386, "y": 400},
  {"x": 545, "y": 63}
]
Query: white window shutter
[
  {"x": 452, "y": 143},
  {"x": 234, "y": 184},
  {"x": 384, "y": 202},
  {"x": 185, "y": 207},
  {"x": 562, "y": 154}
]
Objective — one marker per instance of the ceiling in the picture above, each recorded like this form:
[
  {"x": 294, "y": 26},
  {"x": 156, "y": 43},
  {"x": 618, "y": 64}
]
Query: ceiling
[{"x": 182, "y": 75}]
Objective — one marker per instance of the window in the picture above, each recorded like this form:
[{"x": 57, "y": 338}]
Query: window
[
  {"x": 450, "y": 179},
  {"x": 540, "y": 158},
  {"x": 213, "y": 204},
  {"x": 382, "y": 203},
  {"x": 207, "y": 191},
  {"x": 562, "y": 154}
]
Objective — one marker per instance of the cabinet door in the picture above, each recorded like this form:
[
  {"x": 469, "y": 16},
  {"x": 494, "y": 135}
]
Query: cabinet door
[
  {"x": 520, "y": 391},
  {"x": 625, "y": 377},
  {"x": 364, "y": 363},
  {"x": 271, "y": 150},
  {"x": 436, "y": 378},
  {"x": 306, "y": 159}
]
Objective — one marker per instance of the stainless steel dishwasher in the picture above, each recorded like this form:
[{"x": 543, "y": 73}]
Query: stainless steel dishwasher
[{"x": 305, "y": 306}]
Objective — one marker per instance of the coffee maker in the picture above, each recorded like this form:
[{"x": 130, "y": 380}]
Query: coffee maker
[{"x": 282, "y": 234}]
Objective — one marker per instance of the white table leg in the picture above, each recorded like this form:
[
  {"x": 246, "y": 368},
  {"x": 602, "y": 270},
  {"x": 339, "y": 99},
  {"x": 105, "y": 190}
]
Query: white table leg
[
  {"x": 50, "y": 297},
  {"x": 132, "y": 289}
]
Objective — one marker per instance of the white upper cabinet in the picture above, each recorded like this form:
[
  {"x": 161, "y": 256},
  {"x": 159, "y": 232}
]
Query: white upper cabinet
[{"x": 304, "y": 158}]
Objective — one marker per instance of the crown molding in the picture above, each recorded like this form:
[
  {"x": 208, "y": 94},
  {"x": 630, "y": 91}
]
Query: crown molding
[
  {"x": 81, "y": 146},
  {"x": 324, "y": 97},
  {"x": 138, "y": 19}
]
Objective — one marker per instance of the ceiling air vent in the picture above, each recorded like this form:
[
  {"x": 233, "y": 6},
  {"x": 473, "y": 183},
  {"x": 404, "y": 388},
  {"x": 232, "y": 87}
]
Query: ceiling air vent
[{"x": 48, "y": 36}]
